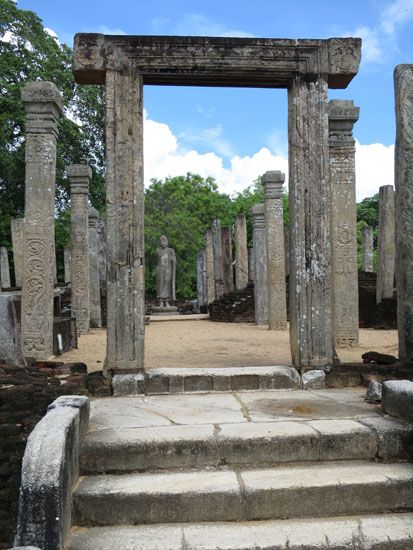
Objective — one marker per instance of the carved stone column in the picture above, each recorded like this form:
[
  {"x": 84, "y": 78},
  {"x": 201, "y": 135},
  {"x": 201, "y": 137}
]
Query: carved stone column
[
  {"x": 386, "y": 244},
  {"x": 259, "y": 237},
  {"x": 201, "y": 278},
  {"x": 43, "y": 104},
  {"x": 4, "y": 268},
  {"x": 226, "y": 240},
  {"x": 403, "y": 84},
  {"x": 241, "y": 252},
  {"x": 251, "y": 264},
  {"x": 67, "y": 259},
  {"x": 17, "y": 227},
  {"x": 218, "y": 265},
  {"x": 94, "y": 282},
  {"x": 79, "y": 177},
  {"x": 125, "y": 222},
  {"x": 367, "y": 249},
  {"x": 209, "y": 264},
  {"x": 274, "y": 225},
  {"x": 342, "y": 117},
  {"x": 311, "y": 336}
]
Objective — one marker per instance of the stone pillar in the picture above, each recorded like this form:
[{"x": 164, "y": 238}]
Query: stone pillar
[
  {"x": 287, "y": 248},
  {"x": 218, "y": 263},
  {"x": 67, "y": 259},
  {"x": 403, "y": 84},
  {"x": 125, "y": 222},
  {"x": 311, "y": 336},
  {"x": 17, "y": 227},
  {"x": 367, "y": 249},
  {"x": 43, "y": 104},
  {"x": 251, "y": 264},
  {"x": 79, "y": 177},
  {"x": 241, "y": 252},
  {"x": 274, "y": 226},
  {"x": 259, "y": 236},
  {"x": 342, "y": 117},
  {"x": 228, "y": 277},
  {"x": 201, "y": 278},
  {"x": 209, "y": 264},
  {"x": 101, "y": 229},
  {"x": 94, "y": 283},
  {"x": 4, "y": 268},
  {"x": 386, "y": 244}
]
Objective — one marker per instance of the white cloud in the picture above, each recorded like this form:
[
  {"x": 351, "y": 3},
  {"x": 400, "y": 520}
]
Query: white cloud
[
  {"x": 374, "y": 167},
  {"x": 396, "y": 13},
  {"x": 196, "y": 24},
  {"x": 211, "y": 137},
  {"x": 371, "y": 48},
  {"x": 106, "y": 30},
  {"x": 166, "y": 156}
]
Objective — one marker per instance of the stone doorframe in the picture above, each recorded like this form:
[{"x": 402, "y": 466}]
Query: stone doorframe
[{"x": 306, "y": 68}]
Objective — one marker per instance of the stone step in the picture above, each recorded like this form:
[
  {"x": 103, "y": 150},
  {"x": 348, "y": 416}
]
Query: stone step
[
  {"x": 260, "y": 443},
  {"x": 387, "y": 532},
  {"x": 321, "y": 490},
  {"x": 183, "y": 380}
]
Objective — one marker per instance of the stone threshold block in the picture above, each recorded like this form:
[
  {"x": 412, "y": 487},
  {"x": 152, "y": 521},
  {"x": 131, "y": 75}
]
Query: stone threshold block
[
  {"x": 397, "y": 399},
  {"x": 385, "y": 531},
  {"x": 176, "y": 380},
  {"x": 301, "y": 491},
  {"x": 254, "y": 443}
]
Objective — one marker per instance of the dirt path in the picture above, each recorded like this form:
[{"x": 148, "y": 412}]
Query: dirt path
[{"x": 208, "y": 344}]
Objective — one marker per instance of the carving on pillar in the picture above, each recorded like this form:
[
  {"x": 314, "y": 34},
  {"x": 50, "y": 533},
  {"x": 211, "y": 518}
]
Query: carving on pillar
[
  {"x": 241, "y": 252},
  {"x": 386, "y": 244},
  {"x": 227, "y": 268},
  {"x": 209, "y": 266},
  {"x": 94, "y": 281},
  {"x": 259, "y": 237},
  {"x": 218, "y": 261},
  {"x": 342, "y": 117},
  {"x": 43, "y": 105}
]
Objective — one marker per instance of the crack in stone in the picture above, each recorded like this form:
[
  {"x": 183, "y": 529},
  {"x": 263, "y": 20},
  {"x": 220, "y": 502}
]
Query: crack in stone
[
  {"x": 157, "y": 413},
  {"x": 244, "y": 409}
]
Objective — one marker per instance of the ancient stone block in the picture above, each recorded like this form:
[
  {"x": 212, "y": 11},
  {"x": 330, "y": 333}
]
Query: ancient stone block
[
  {"x": 4, "y": 268},
  {"x": 386, "y": 244},
  {"x": 274, "y": 226},
  {"x": 43, "y": 104},
  {"x": 227, "y": 269},
  {"x": 10, "y": 342},
  {"x": 367, "y": 249},
  {"x": 218, "y": 265},
  {"x": 342, "y": 116},
  {"x": 241, "y": 252},
  {"x": 17, "y": 226},
  {"x": 397, "y": 398},
  {"x": 259, "y": 236},
  {"x": 209, "y": 265},
  {"x": 201, "y": 278},
  {"x": 94, "y": 281}
]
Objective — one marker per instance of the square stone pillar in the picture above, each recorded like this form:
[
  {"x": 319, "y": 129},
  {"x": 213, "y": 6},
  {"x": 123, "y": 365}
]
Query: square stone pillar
[
  {"x": 287, "y": 248},
  {"x": 274, "y": 225},
  {"x": 259, "y": 237},
  {"x": 218, "y": 261},
  {"x": 386, "y": 244},
  {"x": 241, "y": 252},
  {"x": 403, "y": 84},
  {"x": 226, "y": 241},
  {"x": 17, "y": 226},
  {"x": 79, "y": 178},
  {"x": 43, "y": 104},
  {"x": 342, "y": 116},
  {"x": 94, "y": 282},
  {"x": 125, "y": 221},
  {"x": 367, "y": 249},
  {"x": 201, "y": 278},
  {"x": 311, "y": 335},
  {"x": 67, "y": 260},
  {"x": 251, "y": 264},
  {"x": 209, "y": 266},
  {"x": 4, "y": 268}
]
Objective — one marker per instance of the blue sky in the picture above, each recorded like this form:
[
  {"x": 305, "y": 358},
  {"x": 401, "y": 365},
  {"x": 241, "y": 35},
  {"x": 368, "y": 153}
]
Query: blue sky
[{"x": 236, "y": 134}]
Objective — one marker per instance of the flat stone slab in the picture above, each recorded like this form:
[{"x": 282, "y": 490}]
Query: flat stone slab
[
  {"x": 397, "y": 399},
  {"x": 315, "y": 490},
  {"x": 388, "y": 532}
]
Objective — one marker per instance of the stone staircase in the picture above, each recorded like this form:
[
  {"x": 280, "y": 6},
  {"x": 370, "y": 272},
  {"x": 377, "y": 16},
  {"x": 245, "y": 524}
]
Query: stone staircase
[{"x": 277, "y": 469}]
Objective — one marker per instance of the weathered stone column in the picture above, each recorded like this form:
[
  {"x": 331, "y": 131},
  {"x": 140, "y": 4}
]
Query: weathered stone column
[
  {"x": 201, "y": 278},
  {"x": 125, "y": 221},
  {"x": 17, "y": 227},
  {"x": 79, "y": 177},
  {"x": 241, "y": 252},
  {"x": 4, "y": 268},
  {"x": 94, "y": 283},
  {"x": 274, "y": 226},
  {"x": 311, "y": 336},
  {"x": 259, "y": 237},
  {"x": 386, "y": 244},
  {"x": 209, "y": 264},
  {"x": 226, "y": 241},
  {"x": 67, "y": 259},
  {"x": 287, "y": 248},
  {"x": 367, "y": 249},
  {"x": 403, "y": 84},
  {"x": 43, "y": 104},
  {"x": 342, "y": 117},
  {"x": 251, "y": 264},
  {"x": 218, "y": 264}
]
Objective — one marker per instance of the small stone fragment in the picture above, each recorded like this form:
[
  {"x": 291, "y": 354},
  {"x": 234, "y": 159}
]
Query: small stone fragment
[
  {"x": 314, "y": 380},
  {"x": 373, "y": 394}
]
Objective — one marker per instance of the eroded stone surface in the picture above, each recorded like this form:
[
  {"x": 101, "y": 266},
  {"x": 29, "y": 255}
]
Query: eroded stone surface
[
  {"x": 386, "y": 244},
  {"x": 367, "y": 249},
  {"x": 4, "y": 268},
  {"x": 94, "y": 280},
  {"x": 260, "y": 264},
  {"x": 17, "y": 226},
  {"x": 241, "y": 252}
]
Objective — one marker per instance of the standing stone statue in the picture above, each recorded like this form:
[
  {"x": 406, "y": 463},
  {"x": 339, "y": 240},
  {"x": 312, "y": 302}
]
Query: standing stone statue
[{"x": 165, "y": 273}]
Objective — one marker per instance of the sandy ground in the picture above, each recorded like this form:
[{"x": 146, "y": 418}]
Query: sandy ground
[{"x": 207, "y": 344}]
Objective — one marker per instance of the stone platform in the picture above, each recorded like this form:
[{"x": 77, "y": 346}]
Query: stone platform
[{"x": 282, "y": 469}]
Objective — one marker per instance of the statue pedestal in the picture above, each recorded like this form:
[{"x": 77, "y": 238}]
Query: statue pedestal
[{"x": 161, "y": 310}]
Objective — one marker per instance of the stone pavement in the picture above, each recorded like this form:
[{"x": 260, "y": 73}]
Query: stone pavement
[{"x": 281, "y": 468}]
